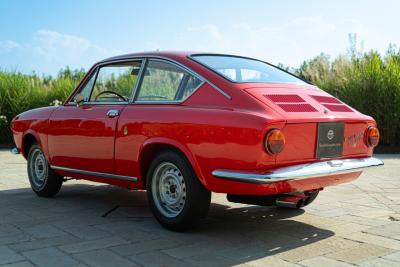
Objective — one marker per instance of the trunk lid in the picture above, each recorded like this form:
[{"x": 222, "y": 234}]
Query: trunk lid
[
  {"x": 304, "y": 104},
  {"x": 306, "y": 109}
]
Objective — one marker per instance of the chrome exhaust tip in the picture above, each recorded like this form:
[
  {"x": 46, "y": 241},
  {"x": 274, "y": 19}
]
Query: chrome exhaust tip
[{"x": 293, "y": 202}]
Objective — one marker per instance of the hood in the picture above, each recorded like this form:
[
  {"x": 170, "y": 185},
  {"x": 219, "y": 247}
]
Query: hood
[{"x": 304, "y": 103}]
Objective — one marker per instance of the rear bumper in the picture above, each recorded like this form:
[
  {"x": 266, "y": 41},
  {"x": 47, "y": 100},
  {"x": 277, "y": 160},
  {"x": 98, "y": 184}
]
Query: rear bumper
[{"x": 301, "y": 171}]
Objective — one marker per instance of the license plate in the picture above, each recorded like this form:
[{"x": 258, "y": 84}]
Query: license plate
[{"x": 330, "y": 140}]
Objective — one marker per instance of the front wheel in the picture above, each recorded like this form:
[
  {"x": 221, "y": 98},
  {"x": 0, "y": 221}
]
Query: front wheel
[
  {"x": 44, "y": 181},
  {"x": 177, "y": 198}
]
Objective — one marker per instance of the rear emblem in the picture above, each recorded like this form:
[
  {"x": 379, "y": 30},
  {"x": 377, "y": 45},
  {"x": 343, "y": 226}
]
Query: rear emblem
[{"x": 330, "y": 134}]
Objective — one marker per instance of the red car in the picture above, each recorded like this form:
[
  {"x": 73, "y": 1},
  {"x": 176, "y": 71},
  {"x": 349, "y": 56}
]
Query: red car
[{"x": 182, "y": 125}]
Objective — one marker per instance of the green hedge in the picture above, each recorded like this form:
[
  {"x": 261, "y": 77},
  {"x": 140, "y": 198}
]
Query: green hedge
[
  {"x": 20, "y": 92},
  {"x": 369, "y": 82}
]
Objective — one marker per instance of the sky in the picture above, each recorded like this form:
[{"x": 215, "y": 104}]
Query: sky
[{"x": 44, "y": 36}]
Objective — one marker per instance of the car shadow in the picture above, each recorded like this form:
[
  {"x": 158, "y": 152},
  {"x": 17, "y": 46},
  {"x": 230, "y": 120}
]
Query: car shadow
[{"x": 232, "y": 234}]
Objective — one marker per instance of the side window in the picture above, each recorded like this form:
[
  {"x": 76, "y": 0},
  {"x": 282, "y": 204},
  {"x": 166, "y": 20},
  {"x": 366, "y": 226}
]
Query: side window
[
  {"x": 87, "y": 89},
  {"x": 163, "y": 81},
  {"x": 114, "y": 83}
]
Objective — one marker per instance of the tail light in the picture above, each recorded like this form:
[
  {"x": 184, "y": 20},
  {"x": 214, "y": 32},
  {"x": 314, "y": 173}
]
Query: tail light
[
  {"x": 372, "y": 136},
  {"x": 274, "y": 141}
]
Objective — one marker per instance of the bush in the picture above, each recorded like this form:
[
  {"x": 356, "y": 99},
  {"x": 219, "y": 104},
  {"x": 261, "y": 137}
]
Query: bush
[
  {"x": 20, "y": 92},
  {"x": 366, "y": 81}
]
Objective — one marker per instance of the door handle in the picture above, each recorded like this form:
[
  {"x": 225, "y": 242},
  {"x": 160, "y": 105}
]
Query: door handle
[{"x": 113, "y": 113}]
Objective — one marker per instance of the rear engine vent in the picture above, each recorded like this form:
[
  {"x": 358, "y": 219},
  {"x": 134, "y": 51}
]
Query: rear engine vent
[
  {"x": 297, "y": 107},
  {"x": 291, "y": 103},
  {"x": 326, "y": 99},
  {"x": 285, "y": 98},
  {"x": 332, "y": 103},
  {"x": 338, "y": 108}
]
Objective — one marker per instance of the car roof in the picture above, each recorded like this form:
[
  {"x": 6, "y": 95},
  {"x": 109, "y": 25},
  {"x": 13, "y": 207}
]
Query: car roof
[
  {"x": 167, "y": 54},
  {"x": 170, "y": 55}
]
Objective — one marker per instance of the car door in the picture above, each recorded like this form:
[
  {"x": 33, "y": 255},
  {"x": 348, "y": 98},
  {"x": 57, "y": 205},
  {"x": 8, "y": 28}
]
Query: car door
[
  {"x": 154, "y": 113},
  {"x": 82, "y": 135}
]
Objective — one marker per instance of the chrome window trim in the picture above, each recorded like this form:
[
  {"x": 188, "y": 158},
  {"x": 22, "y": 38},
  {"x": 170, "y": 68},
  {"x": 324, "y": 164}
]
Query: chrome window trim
[
  {"x": 145, "y": 58},
  {"x": 96, "y": 69},
  {"x": 172, "y": 61},
  {"x": 169, "y": 101},
  {"x": 192, "y": 57},
  {"x": 179, "y": 66},
  {"x": 99, "y": 174},
  {"x": 138, "y": 80},
  {"x": 101, "y": 103}
]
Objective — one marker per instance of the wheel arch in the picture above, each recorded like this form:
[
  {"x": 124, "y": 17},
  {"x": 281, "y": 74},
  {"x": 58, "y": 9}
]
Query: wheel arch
[
  {"x": 153, "y": 146},
  {"x": 30, "y": 137}
]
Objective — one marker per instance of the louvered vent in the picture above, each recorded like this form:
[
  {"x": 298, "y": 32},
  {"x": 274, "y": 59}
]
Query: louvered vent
[
  {"x": 326, "y": 99},
  {"x": 338, "y": 108},
  {"x": 291, "y": 103},
  {"x": 285, "y": 98},
  {"x": 332, "y": 103}
]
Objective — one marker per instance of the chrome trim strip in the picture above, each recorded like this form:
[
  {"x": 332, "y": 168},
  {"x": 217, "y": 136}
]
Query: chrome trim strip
[
  {"x": 170, "y": 60},
  {"x": 180, "y": 66},
  {"x": 101, "y": 103},
  {"x": 219, "y": 90},
  {"x": 138, "y": 80},
  {"x": 99, "y": 174},
  {"x": 192, "y": 57},
  {"x": 301, "y": 171},
  {"x": 168, "y": 101}
]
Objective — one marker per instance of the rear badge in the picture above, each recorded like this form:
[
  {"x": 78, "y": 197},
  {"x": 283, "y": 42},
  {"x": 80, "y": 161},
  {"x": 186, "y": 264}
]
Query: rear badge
[
  {"x": 330, "y": 134},
  {"x": 330, "y": 140}
]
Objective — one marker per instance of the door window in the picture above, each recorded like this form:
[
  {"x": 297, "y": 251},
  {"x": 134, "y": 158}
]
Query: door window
[
  {"x": 114, "y": 83},
  {"x": 163, "y": 81}
]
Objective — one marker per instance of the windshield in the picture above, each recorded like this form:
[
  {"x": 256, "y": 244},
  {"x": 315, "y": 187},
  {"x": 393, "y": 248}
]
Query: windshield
[{"x": 238, "y": 69}]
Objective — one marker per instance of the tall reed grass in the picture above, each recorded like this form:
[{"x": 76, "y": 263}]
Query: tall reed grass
[
  {"x": 20, "y": 92},
  {"x": 369, "y": 82}
]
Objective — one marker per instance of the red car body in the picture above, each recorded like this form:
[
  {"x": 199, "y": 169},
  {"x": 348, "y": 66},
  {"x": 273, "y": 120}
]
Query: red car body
[{"x": 221, "y": 130}]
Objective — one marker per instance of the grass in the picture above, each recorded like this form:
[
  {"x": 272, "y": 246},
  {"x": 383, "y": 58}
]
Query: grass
[{"x": 369, "y": 82}]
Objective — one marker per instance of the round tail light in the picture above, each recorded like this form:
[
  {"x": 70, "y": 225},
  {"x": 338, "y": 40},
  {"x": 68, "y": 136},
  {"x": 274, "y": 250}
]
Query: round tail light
[
  {"x": 372, "y": 136},
  {"x": 274, "y": 141}
]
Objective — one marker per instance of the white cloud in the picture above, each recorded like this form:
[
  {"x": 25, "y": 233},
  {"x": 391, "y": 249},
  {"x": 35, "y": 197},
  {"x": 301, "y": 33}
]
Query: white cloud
[
  {"x": 49, "y": 51},
  {"x": 8, "y": 45},
  {"x": 288, "y": 42}
]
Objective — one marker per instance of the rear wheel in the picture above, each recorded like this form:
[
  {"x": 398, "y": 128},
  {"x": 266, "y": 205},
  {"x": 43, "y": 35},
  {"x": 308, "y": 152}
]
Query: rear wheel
[
  {"x": 44, "y": 181},
  {"x": 177, "y": 198}
]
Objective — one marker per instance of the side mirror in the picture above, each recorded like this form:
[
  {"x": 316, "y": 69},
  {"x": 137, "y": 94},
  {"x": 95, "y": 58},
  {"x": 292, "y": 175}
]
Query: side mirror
[{"x": 79, "y": 100}]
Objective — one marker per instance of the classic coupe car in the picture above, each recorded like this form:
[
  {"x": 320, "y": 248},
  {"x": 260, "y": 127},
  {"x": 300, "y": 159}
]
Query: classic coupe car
[{"x": 182, "y": 125}]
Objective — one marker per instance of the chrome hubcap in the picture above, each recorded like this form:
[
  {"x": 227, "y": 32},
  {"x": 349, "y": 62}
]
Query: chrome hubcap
[
  {"x": 168, "y": 189},
  {"x": 38, "y": 168}
]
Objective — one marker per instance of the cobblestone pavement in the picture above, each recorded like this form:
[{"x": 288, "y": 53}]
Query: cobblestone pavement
[{"x": 100, "y": 225}]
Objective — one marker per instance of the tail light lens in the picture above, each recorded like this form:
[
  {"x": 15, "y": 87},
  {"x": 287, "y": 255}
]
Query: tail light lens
[
  {"x": 372, "y": 136},
  {"x": 274, "y": 141}
]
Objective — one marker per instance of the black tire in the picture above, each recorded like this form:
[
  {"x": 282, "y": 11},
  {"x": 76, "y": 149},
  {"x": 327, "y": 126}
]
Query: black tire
[
  {"x": 44, "y": 181},
  {"x": 192, "y": 199}
]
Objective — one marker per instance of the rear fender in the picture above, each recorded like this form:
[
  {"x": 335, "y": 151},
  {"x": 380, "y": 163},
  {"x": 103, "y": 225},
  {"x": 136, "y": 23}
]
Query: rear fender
[{"x": 182, "y": 148}]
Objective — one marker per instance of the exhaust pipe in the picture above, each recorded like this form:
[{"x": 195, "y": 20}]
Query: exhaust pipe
[{"x": 294, "y": 202}]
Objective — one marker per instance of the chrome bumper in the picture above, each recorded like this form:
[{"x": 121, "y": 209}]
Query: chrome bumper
[{"x": 301, "y": 171}]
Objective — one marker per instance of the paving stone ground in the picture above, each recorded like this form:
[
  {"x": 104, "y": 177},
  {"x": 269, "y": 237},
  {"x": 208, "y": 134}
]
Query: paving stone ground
[{"x": 347, "y": 225}]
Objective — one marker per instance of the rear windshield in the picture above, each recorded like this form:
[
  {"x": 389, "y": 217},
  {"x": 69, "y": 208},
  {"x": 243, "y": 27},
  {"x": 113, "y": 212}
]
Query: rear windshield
[{"x": 238, "y": 69}]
